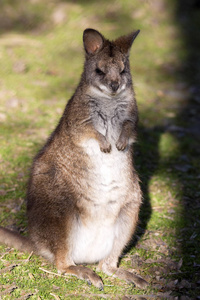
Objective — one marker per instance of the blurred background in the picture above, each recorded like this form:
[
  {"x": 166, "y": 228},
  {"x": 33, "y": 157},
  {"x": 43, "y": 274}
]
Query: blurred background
[{"x": 41, "y": 59}]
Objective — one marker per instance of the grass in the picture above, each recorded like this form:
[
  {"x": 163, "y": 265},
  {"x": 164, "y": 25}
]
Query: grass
[{"x": 41, "y": 56}]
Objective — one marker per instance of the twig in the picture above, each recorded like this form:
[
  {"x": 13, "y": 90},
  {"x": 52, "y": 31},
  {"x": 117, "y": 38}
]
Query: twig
[
  {"x": 55, "y": 296},
  {"x": 28, "y": 295},
  {"x": 8, "y": 268},
  {"x": 52, "y": 273},
  {"x": 8, "y": 290},
  {"x": 110, "y": 296},
  {"x": 88, "y": 296},
  {"x": 25, "y": 297},
  {"x": 5, "y": 254},
  {"x": 26, "y": 260},
  {"x": 179, "y": 272}
]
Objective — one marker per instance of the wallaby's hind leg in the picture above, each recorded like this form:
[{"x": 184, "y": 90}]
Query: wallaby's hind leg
[
  {"x": 125, "y": 228},
  {"x": 109, "y": 267},
  {"x": 66, "y": 266}
]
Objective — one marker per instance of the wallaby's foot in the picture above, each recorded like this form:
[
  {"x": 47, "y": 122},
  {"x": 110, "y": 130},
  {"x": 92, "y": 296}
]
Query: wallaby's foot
[
  {"x": 125, "y": 275},
  {"x": 131, "y": 278},
  {"x": 86, "y": 274}
]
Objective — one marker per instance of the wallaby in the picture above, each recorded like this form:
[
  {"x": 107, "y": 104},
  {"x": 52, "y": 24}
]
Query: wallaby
[{"x": 83, "y": 195}]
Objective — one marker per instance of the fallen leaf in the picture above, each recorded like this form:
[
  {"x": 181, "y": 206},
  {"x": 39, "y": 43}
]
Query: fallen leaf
[
  {"x": 184, "y": 284},
  {"x": 180, "y": 264},
  {"x": 193, "y": 236}
]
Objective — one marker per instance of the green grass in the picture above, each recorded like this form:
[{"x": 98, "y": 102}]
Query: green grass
[{"x": 41, "y": 57}]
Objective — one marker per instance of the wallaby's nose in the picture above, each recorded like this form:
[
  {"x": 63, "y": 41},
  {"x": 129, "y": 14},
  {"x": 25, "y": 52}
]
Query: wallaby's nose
[{"x": 114, "y": 85}]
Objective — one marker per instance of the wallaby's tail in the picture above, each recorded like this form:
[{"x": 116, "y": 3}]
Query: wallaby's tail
[{"x": 15, "y": 240}]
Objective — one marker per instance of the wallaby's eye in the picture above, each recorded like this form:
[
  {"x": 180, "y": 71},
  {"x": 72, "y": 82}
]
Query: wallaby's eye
[
  {"x": 123, "y": 71},
  {"x": 99, "y": 72}
]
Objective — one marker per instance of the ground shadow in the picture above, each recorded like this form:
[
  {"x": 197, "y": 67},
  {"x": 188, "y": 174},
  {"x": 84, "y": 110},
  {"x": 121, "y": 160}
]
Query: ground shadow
[
  {"x": 187, "y": 16},
  {"x": 185, "y": 164},
  {"x": 147, "y": 161}
]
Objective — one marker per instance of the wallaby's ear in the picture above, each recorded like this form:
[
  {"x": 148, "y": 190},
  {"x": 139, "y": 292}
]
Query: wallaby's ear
[
  {"x": 125, "y": 42},
  {"x": 92, "y": 40}
]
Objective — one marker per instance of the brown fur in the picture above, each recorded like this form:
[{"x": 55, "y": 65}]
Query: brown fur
[{"x": 74, "y": 198}]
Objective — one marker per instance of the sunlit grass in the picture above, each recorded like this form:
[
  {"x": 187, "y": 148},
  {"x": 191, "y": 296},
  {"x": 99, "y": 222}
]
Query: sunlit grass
[{"x": 41, "y": 55}]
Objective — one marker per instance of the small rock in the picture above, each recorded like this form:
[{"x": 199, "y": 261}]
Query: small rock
[
  {"x": 157, "y": 272},
  {"x": 158, "y": 278},
  {"x": 175, "y": 281}
]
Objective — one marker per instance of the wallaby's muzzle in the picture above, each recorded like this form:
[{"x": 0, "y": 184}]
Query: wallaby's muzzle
[{"x": 114, "y": 85}]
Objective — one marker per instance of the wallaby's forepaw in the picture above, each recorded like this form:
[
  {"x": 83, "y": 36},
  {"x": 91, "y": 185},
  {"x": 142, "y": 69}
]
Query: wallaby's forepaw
[
  {"x": 122, "y": 143},
  {"x": 105, "y": 147}
]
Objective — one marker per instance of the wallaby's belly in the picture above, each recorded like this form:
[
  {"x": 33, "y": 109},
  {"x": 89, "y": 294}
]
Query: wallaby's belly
[
  {"x": 93, "y": 242},
  {"x": 107, "y": 192}
]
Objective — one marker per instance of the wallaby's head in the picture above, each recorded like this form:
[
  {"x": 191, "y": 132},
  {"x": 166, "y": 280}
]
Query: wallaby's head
[{"x": 107, "y": 67}]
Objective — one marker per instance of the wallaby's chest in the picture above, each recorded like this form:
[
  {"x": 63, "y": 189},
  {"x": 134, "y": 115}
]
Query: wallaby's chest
[
  {"x": 108, "y": 179},
  {"x": 108, "y": 176},
  {"x": 109, "y": 114}
]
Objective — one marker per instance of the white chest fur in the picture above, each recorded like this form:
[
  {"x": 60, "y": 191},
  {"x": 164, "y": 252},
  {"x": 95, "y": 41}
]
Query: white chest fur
[{"x": 107, "y": 185}]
